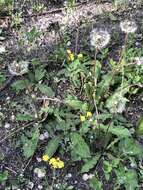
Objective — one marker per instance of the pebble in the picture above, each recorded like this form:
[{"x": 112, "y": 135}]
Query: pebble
[
  {"x": 30, "y": 185},
  {"x": 85, "y": 177},
  {"x": 40, "y": 187},
  {"x": 7, "y": 126},
  {"x": 69, "y": 175},
  {"x": 46, "y": 135},
  {"x": 39, "y": 159},
  {"x": 40, "y": 172},
  {"x": 13, "y": 117},
  {"x": 41, "y": 137}
]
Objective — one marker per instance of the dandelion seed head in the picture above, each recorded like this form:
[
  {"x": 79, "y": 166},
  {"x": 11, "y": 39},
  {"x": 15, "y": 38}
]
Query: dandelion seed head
[
  {"x": 128, "y": 26},
  {"x": 18, "y": 68},
  {"x": 99, "y": 38}
]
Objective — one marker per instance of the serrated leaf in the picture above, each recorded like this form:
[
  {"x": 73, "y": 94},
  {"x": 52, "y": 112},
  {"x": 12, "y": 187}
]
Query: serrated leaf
[
  {"x": 131, "y": 180},
  {"x": 75, "y": 103},
  {"x": 104, "y": 85},
  {"x": 20, "y": 85},
  {"x": 95, "y": 184},
  {"x": 24, "y": 117},
  {"x": 46, "y": 90},
  {"x": 139, "y": 129},
  {"x": 79, "y": 146},
  {"x": 53, "y": 145},
  {"x": 30, "y": 145},
  {"x": 119, "y": 131},
  {"x": 130, "y": 147},
  {"x": 39, "y": 74},
  {"x": 89, "y": 164}
]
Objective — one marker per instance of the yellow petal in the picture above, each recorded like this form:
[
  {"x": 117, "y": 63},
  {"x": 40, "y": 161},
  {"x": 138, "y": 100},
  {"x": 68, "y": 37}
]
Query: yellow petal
[
  {"x": 89, "y": 114},
  {"x": 82, "y": 118},
  {"x": 45, "y": 158}
]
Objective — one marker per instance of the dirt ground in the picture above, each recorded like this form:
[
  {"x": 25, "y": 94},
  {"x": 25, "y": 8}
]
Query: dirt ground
[{"x": 53, "y": 23}]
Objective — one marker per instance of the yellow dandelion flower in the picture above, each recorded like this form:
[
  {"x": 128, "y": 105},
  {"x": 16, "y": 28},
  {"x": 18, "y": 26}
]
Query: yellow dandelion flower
[
  {"x": 71, "y": 57},
  {"x": 60, "y": 164},
  {"x": 82, "y": 118},
  {"x": 56, "y": 163},
  {"x": 80, "y": 56},
  {"x": 89, "y": 114},
  {"x": 52, "y": 161},
  {"x": 45, "y": 158}
]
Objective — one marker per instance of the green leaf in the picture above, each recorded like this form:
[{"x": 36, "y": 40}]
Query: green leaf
[
  {"x": 131, "y": 180},
  {"x": 53, "y": 145},
  {"x": 119, "y": 131},
  {"x": 24, "y": 117},
  {"x": 76, "y": 104},
  {"x": 3, "y": 176},
  {"x": 116, "y": 103},
  {"x": 104, "y": 85},
  {"x": 30, "y": 145},
  {"x": 39, "y": 74},
  {"x": 89, "y": 164},
  {"x": 46, "y": 90},
  {"x": 139, "y": 129},
  {"x": 97, "y": 69},
  {"x": 20, "y": 85},
  {"x": 2, "y": 79},
  {"x": 79, "y": 145},
  {"x": 127, "y": 178},
  {"x": 95, "y": 184},
  {"x": 130, "y": 147}
]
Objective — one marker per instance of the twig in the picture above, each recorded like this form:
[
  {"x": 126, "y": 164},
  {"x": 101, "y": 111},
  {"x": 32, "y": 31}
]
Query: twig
[
  {"x": 27, "y": 164},
  {"x": 51, "y": 99},
  {"x": 11, "y": 170}
]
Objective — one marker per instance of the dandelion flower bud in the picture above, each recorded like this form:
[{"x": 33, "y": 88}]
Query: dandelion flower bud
[
  {"x": 99, "y": 38},
  {"x": 128, "y": 26}
]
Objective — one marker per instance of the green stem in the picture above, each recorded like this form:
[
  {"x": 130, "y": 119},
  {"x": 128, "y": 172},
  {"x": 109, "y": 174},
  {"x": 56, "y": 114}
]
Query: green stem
[{"x": 54, "y": 175}]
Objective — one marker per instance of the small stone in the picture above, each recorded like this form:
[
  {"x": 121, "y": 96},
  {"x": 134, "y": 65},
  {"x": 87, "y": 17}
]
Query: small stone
[
  {"x": 40, "y": 172},
  {"x": 69, "y": 175},
  {"x": 8, "y": 98},
  {"x": 46, "y": 135},
  {"x": 40, "y": 187},
  {"x": 13, "y": 117},
  {"x": 7, "y": 126},
  {"x": 85, "y": 177},
  {"x": 39, "y": 159},
  {"x": 41, "y": 137},
  {"x": 30, "y": 185}
]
